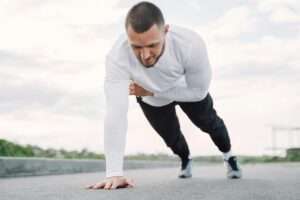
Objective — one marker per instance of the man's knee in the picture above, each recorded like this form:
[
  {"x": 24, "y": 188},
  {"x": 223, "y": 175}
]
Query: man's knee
[
  {"x": 179, "y": 146},
  {"x": 173, "y": 141},
  {"x": 211, "y": 126}
]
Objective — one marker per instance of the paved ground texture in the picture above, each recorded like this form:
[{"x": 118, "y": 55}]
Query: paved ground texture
[{"x": 264, "y": 181}]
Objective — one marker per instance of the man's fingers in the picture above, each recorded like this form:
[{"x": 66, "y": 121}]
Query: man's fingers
[
  {"x": 108, "y": 185},
  {"x": 114, "y": 185},
  {"x": 131, "y": 86},
  {"x": 98, "y": 185},
  {"x": 88, "y": 186},
  {"x": 131, "y": 89},
  {"x": 125, "y": 183},
  {"x": 131, "y": 93},
  {"x": 134, "y": 86},
  {"x": 135, "y": 89}
]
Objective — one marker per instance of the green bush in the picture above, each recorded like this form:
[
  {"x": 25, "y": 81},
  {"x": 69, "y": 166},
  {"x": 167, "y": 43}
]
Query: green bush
[
  {"x": 15, "y": 150},
  {"x": 10, "y": 149},
  {"x": 293, "y": 154}
]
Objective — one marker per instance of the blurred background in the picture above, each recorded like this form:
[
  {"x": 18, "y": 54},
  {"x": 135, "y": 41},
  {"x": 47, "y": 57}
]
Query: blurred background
[{"x": 52, "y": 71}]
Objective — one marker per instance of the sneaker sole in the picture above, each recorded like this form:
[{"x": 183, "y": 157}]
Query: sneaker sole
[
  {"x": 234, "y": 175},
  {"x": 184, "y": 176}
]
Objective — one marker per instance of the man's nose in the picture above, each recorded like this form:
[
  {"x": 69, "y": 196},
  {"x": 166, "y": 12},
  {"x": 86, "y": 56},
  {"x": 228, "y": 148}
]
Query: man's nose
[{"x": 145, "y": 53}]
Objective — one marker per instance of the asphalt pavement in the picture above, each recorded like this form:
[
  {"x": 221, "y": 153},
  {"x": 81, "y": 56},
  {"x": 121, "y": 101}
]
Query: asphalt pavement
[{"x": 262, "y": 181}]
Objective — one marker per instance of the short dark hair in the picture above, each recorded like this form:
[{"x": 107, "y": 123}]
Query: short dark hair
[{"x": 143, "y": 16}]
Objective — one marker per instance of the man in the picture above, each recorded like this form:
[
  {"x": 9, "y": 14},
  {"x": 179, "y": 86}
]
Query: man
[{"x": 169, "y": 66}]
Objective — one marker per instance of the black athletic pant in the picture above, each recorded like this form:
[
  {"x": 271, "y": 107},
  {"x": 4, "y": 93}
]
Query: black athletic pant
[{"x": 202, "y": 113}]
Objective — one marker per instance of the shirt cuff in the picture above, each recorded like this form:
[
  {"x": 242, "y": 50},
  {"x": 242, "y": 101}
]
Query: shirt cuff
[{"x": 110, "y": 174}]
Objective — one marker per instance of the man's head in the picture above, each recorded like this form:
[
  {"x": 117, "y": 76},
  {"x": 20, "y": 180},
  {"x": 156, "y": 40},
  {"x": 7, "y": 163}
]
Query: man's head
[{"x": 146, "y": 30}]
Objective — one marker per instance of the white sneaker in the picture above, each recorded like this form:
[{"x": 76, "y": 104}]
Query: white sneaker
[
  {"x": 186, "y": 172},
  {"x": 233, "y": 169}
]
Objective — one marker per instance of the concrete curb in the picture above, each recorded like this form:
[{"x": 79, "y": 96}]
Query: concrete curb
[{"x": 19, "y": 166}]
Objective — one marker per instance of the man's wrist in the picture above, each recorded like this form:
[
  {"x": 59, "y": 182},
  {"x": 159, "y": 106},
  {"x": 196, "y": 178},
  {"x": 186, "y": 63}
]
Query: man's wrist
[
  {"x": 149, "y": 94},
  {"x": 112, "y": 177},
  {"x": 114, "y": 174}
]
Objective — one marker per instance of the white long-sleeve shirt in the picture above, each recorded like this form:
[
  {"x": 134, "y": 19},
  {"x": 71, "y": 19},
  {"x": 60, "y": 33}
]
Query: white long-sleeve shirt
[{"x": 182, "y": 73}]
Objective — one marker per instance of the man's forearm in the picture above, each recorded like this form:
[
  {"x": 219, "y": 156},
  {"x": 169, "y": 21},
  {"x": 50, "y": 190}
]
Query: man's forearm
[
  {"x": 183, "y": 94},
  {"x": 115, "y": 126}
]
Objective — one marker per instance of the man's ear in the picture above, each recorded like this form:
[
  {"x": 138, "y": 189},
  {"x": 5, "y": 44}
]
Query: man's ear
[{"x": 167, "y": 26}]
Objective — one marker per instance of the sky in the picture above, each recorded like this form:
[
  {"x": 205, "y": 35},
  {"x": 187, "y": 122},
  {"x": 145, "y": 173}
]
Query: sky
[{"x": 52, "y": 70}]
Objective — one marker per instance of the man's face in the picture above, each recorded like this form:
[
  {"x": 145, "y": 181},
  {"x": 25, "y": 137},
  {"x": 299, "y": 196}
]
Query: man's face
[{"x": 148, "y": 46}]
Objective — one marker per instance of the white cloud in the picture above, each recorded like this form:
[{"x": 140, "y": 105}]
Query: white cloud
[
  {"x": 228, "y": 52},
  {"x": 268, "y": 53},
  {"x": 281, "y": 11},
  {"x": 62, "y": 11},
  {"x": 285, "y": 15},
  {"x": 232, "y": 24},
  {"x": 62, "y": 42},
  {"x": 38, "y": 29}
]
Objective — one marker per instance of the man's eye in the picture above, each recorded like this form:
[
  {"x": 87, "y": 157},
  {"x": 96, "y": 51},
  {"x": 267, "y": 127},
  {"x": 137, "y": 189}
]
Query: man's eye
[
  {"x": 152, "y": 45},
  {"x": 136, "y": 47}
]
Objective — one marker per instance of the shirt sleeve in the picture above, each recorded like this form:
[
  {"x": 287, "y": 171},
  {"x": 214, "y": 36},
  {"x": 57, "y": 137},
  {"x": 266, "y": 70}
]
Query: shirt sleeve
[
  {"x": 116, "y": 91},
  {"x": 197, "y": 75}
]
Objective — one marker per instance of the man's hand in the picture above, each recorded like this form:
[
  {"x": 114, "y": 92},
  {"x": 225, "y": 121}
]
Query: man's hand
[
  {"x": 135, "y": 89},
  {"x": 112, "y": 183}
]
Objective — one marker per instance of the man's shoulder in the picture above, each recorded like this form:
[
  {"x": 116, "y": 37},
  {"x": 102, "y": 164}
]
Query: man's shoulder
[
  {"x": 185, "y": 33},
  {"x": 183, "y": 41},
  {"x": 119, "y": 50}
]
